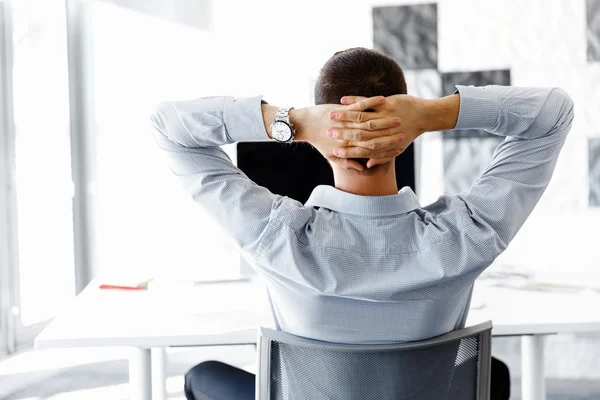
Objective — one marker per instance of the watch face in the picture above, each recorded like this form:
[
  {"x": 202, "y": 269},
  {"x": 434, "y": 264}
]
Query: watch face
[{"x": 281, "y": 131}]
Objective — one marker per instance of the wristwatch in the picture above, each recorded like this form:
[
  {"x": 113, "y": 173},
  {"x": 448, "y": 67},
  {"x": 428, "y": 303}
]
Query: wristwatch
[{"x": 282, "y": 129}]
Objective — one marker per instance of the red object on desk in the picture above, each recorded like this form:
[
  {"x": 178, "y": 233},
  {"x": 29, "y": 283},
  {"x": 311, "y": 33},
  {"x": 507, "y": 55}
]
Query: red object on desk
[
  {"x": 104, "y": 286},
  {"x": 125, "y": 284}
]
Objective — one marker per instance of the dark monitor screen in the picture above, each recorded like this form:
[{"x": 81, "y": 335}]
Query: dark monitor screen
[{"x": 294, "y": 170}]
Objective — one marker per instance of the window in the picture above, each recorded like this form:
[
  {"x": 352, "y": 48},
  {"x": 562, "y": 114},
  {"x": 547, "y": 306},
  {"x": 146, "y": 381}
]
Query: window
[
  {"x": 43, "y": 171},
  {"x": 146, "y": 223}
]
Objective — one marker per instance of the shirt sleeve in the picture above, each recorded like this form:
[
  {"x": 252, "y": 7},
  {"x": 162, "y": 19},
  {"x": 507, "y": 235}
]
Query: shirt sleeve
[
  {"x": 536, "y": 122},
  {"x": 190, "y": 133}
]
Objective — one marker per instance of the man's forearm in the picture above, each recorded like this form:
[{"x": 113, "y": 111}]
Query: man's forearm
[
  {"x": 440, "y": 114},
  {"x": 483, "y": 108}
]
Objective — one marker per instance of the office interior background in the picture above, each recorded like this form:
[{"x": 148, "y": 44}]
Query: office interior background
[{"x": 85, "y": 193}]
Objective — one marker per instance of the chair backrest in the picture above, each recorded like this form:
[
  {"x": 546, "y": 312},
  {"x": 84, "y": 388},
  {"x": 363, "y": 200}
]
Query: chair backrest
[{"x": 452, "y": 366}]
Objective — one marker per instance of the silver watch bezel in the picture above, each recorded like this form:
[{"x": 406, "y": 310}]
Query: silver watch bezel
[
  {"x": 290, "y": 135},
  {"x": 283, "y": 116}
]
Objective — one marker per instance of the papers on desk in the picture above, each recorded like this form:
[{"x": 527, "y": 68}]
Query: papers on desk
[
  {"x": 477, "y": 303},
  {"x": 125, "y": 282},
  {"x": 525, "y": 284},
  {"x": 522, "y": 278},
  {"x": 229, "y": 306},
  {"x": 547, "y": 285},
  {"x": 164, "y": 284}
]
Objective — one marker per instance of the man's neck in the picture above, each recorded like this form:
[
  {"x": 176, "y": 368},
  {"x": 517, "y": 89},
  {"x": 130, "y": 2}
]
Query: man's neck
[{"x": 380, "y": 184}]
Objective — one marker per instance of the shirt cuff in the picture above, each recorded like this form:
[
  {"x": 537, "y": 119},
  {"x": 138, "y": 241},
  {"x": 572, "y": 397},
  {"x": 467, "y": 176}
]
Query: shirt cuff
[
  {"x": 478, "y": 108},
  {"x": 243, "y": 120}
]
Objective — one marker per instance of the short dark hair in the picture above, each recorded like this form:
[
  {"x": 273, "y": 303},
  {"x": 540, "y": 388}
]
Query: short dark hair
[{"x": 361, "y": 72}]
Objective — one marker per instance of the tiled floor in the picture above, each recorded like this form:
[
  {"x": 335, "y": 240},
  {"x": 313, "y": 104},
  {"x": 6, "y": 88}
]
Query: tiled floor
[{"x": 93, "y": 375}]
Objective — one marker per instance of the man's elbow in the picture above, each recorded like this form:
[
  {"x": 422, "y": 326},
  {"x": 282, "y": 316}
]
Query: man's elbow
[
  {"x": 163, "y": 119},
  {"x": 159, "y": 115},
  {"x": 564, "y": 104}
]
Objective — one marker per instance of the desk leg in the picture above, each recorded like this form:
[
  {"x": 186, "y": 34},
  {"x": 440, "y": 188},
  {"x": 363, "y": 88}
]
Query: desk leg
[
  {"x": 159, "y": 374},
  {"x": 140, "y": 379},
  {"x": 532, "y": 368}
]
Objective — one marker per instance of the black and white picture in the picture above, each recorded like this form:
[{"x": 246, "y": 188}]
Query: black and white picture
[
  {"x": 593, "y": 30},
  {"x": 465, "y": 159},
  {"x": 408, "y": 34},
  {"x": 594, "y": 160},
  {"x": 475, "y": 78},
  {"x": 468, "y": 152},
  {"x": 426, "y": 83}
]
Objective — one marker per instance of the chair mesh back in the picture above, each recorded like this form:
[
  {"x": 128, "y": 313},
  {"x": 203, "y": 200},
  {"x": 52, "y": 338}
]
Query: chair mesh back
[{"x": 445, "y": 371}]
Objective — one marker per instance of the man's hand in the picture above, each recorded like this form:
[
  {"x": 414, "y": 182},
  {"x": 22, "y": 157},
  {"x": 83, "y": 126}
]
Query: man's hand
[
  {"x": 323, "y": 126},
  {"x": 410, "y": 110}
]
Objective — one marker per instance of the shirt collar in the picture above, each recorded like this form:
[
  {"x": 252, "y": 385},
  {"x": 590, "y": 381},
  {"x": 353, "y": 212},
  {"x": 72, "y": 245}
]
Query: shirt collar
[{"x": 375, "y": 206}]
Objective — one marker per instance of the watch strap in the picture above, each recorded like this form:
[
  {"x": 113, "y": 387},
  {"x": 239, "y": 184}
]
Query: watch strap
[{"x": 283, "y": 115}]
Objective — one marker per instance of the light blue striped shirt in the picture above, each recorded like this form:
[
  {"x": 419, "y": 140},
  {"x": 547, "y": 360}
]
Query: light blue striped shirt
[{"x": 367, "y": 269}]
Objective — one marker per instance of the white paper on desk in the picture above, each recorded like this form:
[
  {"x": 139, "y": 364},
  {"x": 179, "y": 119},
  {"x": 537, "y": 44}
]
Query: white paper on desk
[
  {"x": 477, "y": 303},
  {"x": 539, "y": 286}
]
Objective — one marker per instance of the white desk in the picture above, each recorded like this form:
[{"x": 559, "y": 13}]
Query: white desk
[
  {"x": 533, "y": 315},
  {"x": 149, "y": 321},
  {"x": 228, "y": 314}
]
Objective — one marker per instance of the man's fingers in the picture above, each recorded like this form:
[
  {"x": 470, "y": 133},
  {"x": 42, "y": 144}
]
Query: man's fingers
[
  {"x": 383, "y": 128},
  {"x": 360, "y": 152},
  {"x": 351, "y": 99},
  {"x": 366, "y": 120},
  {"x": 378, "y": 161},
  {"x": 382, "y": 143},
  {"x": 349, "y": 164},
  {"x": 366, "y": 103},
  {"x": 352, "y": 116}
]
